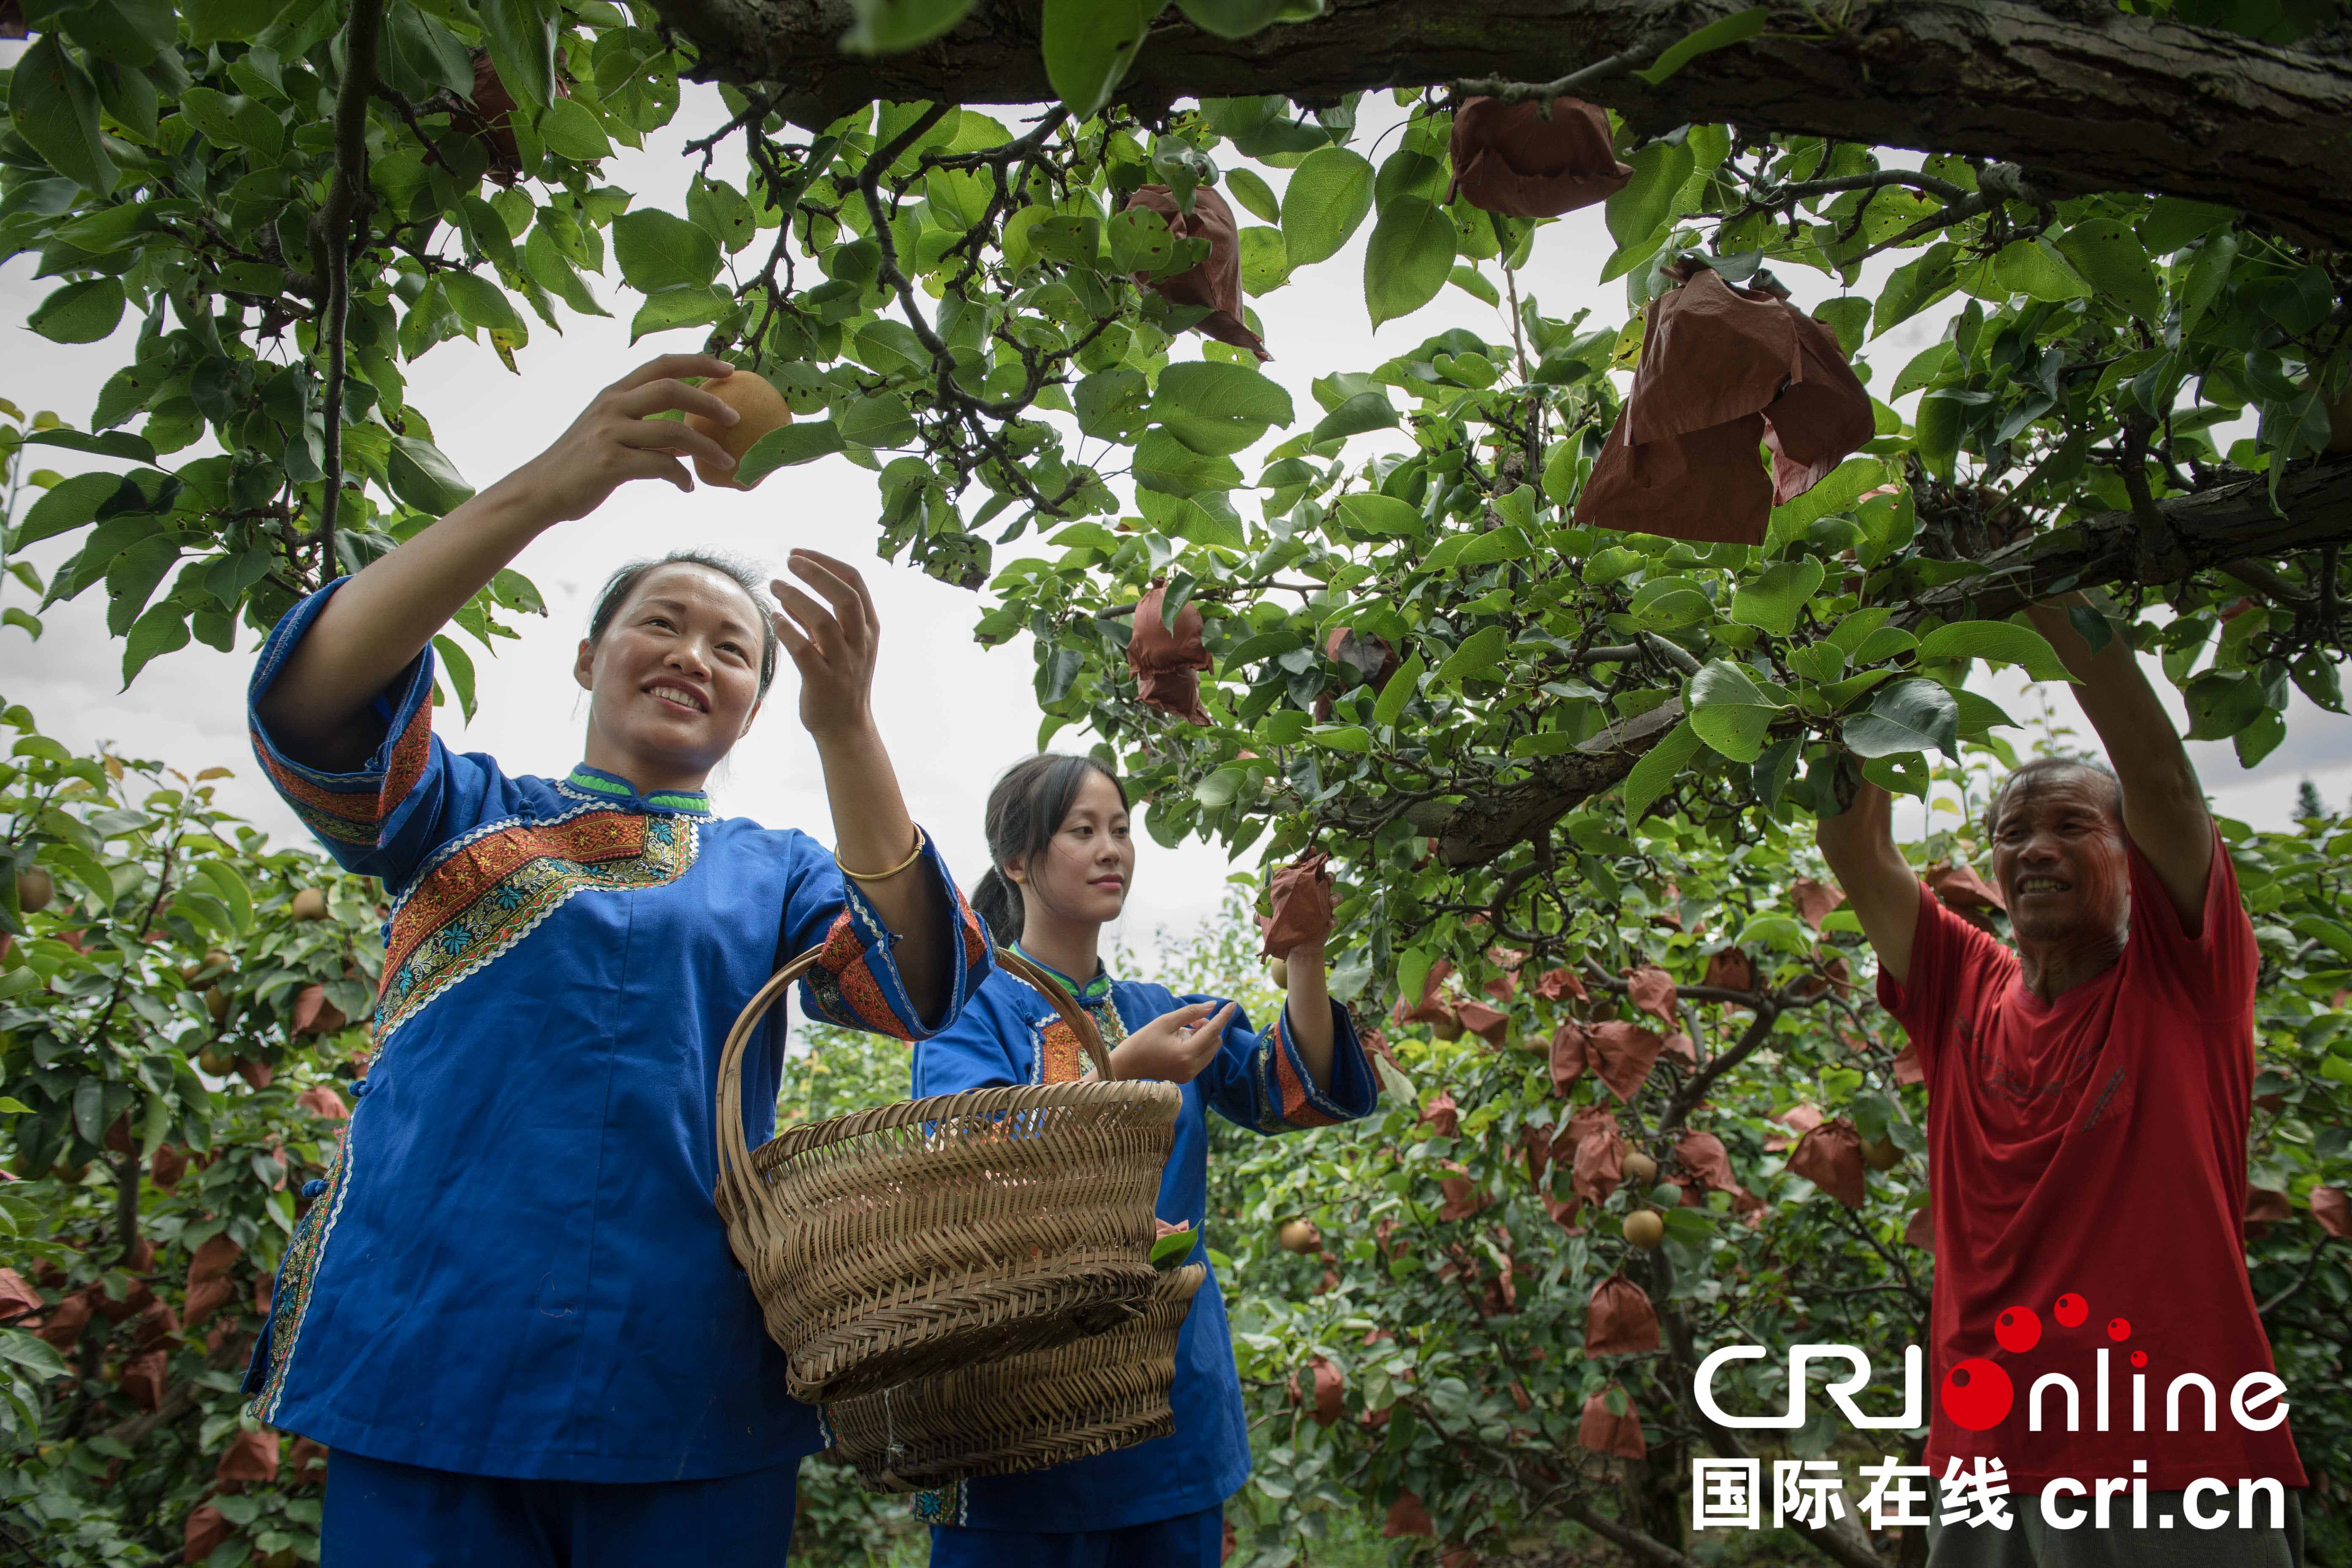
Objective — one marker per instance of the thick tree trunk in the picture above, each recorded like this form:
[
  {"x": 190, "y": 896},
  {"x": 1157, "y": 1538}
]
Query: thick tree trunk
[
  {"x": 2084, "y": 95},
  {"x": 2211, "y": 529}
]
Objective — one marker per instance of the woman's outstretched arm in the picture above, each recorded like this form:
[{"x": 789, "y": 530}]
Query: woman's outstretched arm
[
  {"x": 320, "y": 709},
  {"x": 833, "y": 639}
]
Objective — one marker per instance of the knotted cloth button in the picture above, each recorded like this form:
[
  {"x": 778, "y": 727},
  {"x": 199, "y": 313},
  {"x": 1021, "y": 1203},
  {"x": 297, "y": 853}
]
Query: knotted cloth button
[
  {"x": 359, "y": 1088},
  {"x": 313, "y": 1187}
]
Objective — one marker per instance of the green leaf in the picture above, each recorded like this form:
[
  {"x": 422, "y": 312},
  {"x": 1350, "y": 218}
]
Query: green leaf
[
  {"x": 230, "y": 888},
  {"x": 1140, "y": 241},
  {"x": 1658, "y": 768},
  {"x": 546, "y": 265},
  {"x": 884, "y": 421},
  {"x": 161, "y": 629},
  {"x": 1364, "y": 411},
  {"x": 67, "y": 505},
  {"x": 2112, "y": 259},
  {"x": 54, "y": 106},
  {"x": 1341, "y": 737},
  {"x": 460, "y": 666},
  {"x": 691, "y": 306},
  {"x": 1163, "y": 463},
  {"x": 1110, "y": 404},
  {"x": 570, "y": 131},
  {"x": 1646, "y": 201},
  {"x": 1736, "y": 28},
  {"x": 884, "y": 27},
  {"x": 2173, "y": 221},
  {"x": 1090, "y": 45},
  {"x": 1327, "y": 196},
  {"x": 1730, "y": 710},
  {"x": 1473, "y": 283},
  {"x": 1774, "y": 601},
  {"x": 521, "y": 35},
  {"x": 84, "y": 313},
  {"x": 1995, "y": 642},
  {"x": 1384, "y": 517},
  {"x": 1925, "y": 367},
  {"x": 1255, "y": 194},
  {"x": 1939, "y": 428},
  {"x": 1912, "y": 715},
  {"x": 787, "y": 446},
  {"x": 1403, "y": 687},
  {"x": 1481, "y": 654},
  {"x": 1172, "y": 1249},
  {"x": 658, "y": 251},
  {"x": 34, "y": 1355},
  {"x": 480, "y": 303},
  {"x": 1409, "y": 258},
  {"x": 2034, "y": 268},
  {"x": 1216, "y": 408},
  {"x": 422, "y": 477},
  {"x": 1265, "y": 260}
]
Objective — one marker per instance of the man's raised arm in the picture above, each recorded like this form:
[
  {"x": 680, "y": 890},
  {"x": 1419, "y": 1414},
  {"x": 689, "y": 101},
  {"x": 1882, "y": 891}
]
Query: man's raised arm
[
  {"x": 1859, "y": 844},
  {"x": 2164, "y": 807}
]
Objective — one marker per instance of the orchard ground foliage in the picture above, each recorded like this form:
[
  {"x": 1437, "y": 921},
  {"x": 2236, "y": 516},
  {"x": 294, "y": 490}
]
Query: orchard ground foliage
[
  {"x": 181, "y": 1009},
  {"x": 1563, "y": 770}
]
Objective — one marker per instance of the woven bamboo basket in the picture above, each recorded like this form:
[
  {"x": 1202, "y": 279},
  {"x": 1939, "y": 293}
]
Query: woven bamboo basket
[
  {"x": 933, "y": 1233},
  {"x": 1044, "y": 1407}
]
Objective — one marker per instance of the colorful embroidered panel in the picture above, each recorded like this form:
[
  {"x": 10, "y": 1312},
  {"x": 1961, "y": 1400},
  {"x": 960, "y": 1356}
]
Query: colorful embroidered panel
[
  {"x": 490, "y": 890},
  {"x": 1060, "y": 1058},
  {"x": 1285, "y": 1097},
  {"x": 355, "y": 815},
  {"x": 296, "y": 1273},
  {"x": 845, "y": 989}
]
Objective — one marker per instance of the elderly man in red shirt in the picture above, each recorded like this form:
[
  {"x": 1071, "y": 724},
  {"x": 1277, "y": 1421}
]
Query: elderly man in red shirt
[{"x": 2088, "y": 1094}]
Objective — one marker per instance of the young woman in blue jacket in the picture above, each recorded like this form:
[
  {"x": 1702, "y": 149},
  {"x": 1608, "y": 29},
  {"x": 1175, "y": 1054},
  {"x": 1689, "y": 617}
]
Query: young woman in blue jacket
[
  {"x": 509, "y": 1307},
  {"x": 1064, "y": 865}
]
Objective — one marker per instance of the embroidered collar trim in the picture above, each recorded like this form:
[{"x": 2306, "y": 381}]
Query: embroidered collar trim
[
  {"x": 613, "y": 786},
  {"x": 1092, "y": 993}
]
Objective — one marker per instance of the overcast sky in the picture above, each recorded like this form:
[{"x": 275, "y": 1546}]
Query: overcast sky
[{"x": 953, "y": 714}]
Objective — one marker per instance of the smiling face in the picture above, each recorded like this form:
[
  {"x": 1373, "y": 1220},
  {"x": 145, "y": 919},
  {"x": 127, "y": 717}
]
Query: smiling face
[
  {"x": 1083, "y": 875},
  {"x": 2058, "y": 856},
  {"x": 675, "y": 680}
]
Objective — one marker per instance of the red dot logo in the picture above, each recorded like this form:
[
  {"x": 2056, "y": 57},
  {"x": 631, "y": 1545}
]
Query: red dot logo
[
  {"x": 2139, "y": 1358},
  {"x": 2119, "y": 1329},
  {"x": 2071, "y": 1311},
  {"x": 2019, "y": 1330},
  {"x": 1977, "y": 1394}
]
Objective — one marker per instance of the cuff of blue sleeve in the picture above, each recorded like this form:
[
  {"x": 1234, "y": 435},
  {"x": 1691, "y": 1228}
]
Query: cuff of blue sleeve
[
  {"x": 352, "y": 807},
  {"x": 857, "y": 984},
  {"x": 1355, "y": 1091}
]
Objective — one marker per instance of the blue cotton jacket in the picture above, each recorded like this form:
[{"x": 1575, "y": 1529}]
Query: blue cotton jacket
[
  {"x": 1011, "y": 1035},
  {"x": 514, "y": 1266}
]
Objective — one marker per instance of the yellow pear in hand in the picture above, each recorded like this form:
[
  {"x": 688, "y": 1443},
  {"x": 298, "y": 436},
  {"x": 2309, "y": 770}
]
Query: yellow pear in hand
[{"x": 760, "y": 408}]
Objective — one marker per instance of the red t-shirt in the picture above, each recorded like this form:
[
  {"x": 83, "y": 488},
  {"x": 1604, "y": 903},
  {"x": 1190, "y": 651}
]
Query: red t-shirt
[{"x": 2095, "y": 1146}]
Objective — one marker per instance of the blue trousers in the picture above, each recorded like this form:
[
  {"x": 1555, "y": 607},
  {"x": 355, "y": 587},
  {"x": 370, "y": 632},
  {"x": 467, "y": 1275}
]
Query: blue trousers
[
  {"x": 1188, "y": 1541},
  {"x": 383, "y": 1515}
]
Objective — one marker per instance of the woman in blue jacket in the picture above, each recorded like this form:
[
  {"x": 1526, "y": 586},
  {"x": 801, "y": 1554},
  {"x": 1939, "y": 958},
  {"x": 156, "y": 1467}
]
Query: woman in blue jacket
[
  {"x": 509, "y": 1307},
  {"x": 1064, "y": 862}
]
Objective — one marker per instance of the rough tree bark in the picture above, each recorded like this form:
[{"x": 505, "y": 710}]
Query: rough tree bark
[
  {"x": 2085, "y": 96},
  {"x": 2212, "y": 528}
]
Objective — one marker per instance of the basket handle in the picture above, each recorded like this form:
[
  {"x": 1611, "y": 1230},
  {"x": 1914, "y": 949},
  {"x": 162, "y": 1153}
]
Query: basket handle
[
  {"x": 1081, "y": 1022},
  {"x": 734, "y": 1153}
]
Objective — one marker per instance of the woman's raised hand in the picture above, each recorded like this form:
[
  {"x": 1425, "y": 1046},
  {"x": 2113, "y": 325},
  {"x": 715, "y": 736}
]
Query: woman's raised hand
[
  {"x": 1174, "y": 1047},
  {"x": 616, "y": 438},
  {"x": 832, "y": 643}
]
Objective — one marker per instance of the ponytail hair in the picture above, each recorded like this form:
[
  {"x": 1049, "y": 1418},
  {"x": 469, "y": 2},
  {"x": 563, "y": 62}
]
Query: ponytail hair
[{"x": 1025, "y": 809}]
